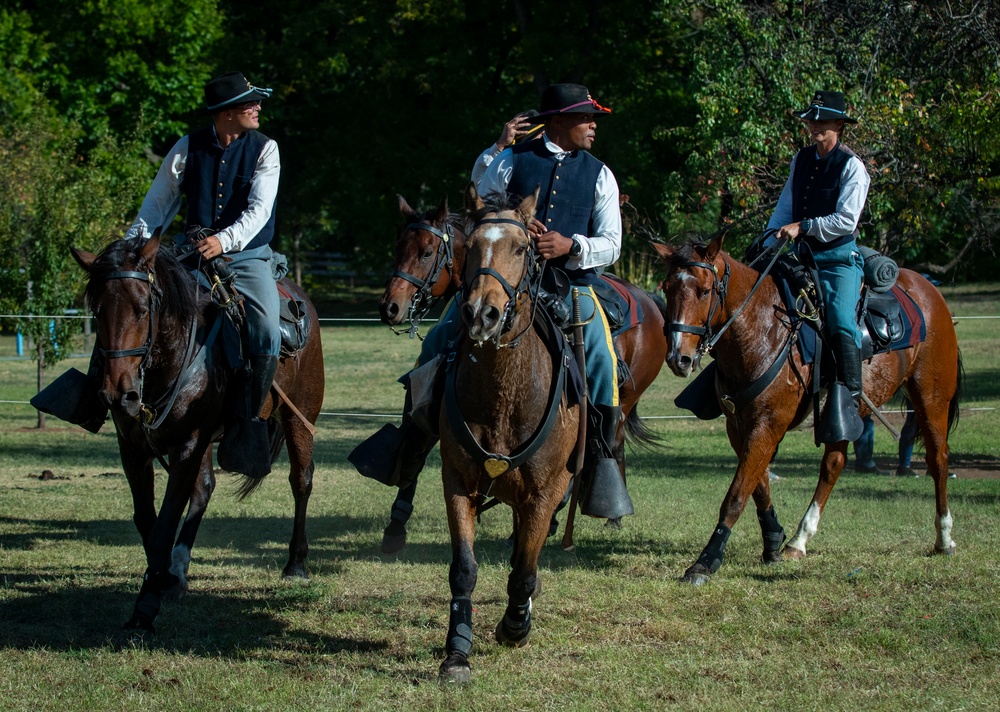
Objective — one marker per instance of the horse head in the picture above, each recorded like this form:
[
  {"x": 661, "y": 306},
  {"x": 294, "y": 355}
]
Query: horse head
[
  {"x": 128, "y": 284},
  {"x": 694, "y": 289},
  {"x": 500, "y": 262},
  {"x": 426, "y": 266}
]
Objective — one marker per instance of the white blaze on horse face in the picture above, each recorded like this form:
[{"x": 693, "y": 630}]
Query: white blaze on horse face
[
  {"x": 492, "y": 234},
  {"x": 807, "y": 528}
]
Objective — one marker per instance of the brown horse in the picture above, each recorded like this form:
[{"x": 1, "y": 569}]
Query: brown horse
[
  {"x": 429, "y": 257},
  {"x": 506, "y": 430},
  {"x": 711, "y": 295},
  {"x": 164, "y": 380},
  {"x": 427, "y": 267}
]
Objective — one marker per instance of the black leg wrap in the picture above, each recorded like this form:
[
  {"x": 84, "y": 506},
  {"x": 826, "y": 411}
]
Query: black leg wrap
[
  {"x": 771, "y": 531},
  {"x": 401, "y": 511},
  {"x": 460, "y": 627},
  {"x": 712, "y": 555}
]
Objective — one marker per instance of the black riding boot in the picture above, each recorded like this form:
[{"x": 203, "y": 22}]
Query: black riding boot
[
  {"x": 73, "y": 396},
  {"x": 840, "y": 419},
  {"x": 246, "y": 442},
  {"x": 394, "y": 456},
  {"x": 604, "y": 494}
]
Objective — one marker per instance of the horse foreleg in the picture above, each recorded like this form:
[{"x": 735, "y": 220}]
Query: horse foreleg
[
  {"x": 755, "y": 451},
  {"x": 299, "y": 443},
  {"x": 462, "y": 580},
  {"x": 158, "y": 577},
  {"x": 834, "y": 458},
  {"x": 180, "y": 555},
  {"x": 533, "y": 527}
]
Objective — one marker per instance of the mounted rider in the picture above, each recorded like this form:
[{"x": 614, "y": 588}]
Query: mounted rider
[
  {"x": 578, "y": 229},
  {"x": 819, "y": 208},
  {"x": 229, "y": 172}
]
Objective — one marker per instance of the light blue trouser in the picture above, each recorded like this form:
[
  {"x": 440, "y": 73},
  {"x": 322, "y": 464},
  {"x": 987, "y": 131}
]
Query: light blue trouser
[
  {"x": 602, "y": 365},
  {"x": 841, "y": 271},
  {"x": 255, "y": 281}
]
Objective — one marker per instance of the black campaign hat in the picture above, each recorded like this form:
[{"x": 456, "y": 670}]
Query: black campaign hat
[
  {"x": 231, "y": 89},
  {"x": 826, "y": 105},
  {"x": 567, "y": 99}
]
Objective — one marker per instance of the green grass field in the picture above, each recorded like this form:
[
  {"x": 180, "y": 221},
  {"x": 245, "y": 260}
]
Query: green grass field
[{"x": 869, "y": 620}]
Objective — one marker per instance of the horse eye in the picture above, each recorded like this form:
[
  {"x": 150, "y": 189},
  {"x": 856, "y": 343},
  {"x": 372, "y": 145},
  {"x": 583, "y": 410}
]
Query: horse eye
[{"x": 428, "y": 253}]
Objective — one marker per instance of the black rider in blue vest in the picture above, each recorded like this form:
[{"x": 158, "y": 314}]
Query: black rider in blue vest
[
  {"x": 228, "y": 172},
  {"x": 577, "y": 228}
]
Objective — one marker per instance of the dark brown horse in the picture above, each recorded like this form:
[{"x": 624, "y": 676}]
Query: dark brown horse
[
  {"x": 506, "y": 396},
  {"x": 427, "y": 266},
  {"x": 166, "y": 392},
  {"x": 708, "y": 291}
]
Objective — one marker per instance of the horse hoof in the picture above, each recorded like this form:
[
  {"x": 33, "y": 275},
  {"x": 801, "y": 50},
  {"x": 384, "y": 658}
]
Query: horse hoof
[
  {"x": 295, "y": 572},
  {"x": 393, "y": 543},
  {"x": 614, "y": 523},
  {"x": 176, "y": 592},
  {"x": 792, "y": 553},
  {"x": 140, "y": 626},
  {"x": 696, "y": 578},
  {"x": 455, "y": 670},
  {"x": 770, "y": 558},
  {"x": 950, "y": 551},
  {"x": 505, "y": 637}
]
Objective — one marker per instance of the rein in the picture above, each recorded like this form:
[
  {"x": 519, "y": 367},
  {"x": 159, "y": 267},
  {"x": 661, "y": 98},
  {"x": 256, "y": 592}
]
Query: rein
[
  {"x": 720, "y": 288},
  {"x": 423, "y": 301}
]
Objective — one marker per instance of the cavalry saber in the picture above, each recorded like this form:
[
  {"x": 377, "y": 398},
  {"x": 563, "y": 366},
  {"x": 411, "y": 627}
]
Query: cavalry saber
[
  {"x": 878, "y": 414},
  {"x": 581, "y": 441}
]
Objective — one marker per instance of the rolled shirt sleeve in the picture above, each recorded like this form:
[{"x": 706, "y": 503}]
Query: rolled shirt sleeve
[{"x": 163, "y": 199}]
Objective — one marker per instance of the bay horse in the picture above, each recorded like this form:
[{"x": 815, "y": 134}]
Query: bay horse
[
  {"x": 427, "y": 265},
  {"x": 504, "y": 395},
  {"x": 711, "y": 296},
  {"x": 429, "y": 255},
  {"x": 166, "y": 392}
]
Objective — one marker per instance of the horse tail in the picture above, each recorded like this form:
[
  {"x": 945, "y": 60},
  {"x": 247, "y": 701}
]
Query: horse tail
[
  {"x": 248, "y": 485},
  {"x": 959, "y": 387},
  {"x": 638, "y": 433}
]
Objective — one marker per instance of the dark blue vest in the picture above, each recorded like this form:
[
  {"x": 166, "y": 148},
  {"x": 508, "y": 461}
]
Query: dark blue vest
[
  {"x": 217, "y": 181},
  {"x": 566, "y": 199},
  {"x": 816, "y": 189}
]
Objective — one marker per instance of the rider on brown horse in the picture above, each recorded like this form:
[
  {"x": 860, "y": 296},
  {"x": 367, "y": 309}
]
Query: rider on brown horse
[
  {"x": 228, "y": 171},
  {"x": 577, "y": 228},
  {"x": 819, "y": 209}
]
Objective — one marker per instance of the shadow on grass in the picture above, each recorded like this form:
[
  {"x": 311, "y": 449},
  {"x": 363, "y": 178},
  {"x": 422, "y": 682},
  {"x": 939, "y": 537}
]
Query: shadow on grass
[{"x": 75, "y": 618}]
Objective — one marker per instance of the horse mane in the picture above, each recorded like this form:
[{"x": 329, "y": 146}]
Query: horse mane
[
  {"x": 176, "y": 282},
  {"x": 494, "y": 203}
]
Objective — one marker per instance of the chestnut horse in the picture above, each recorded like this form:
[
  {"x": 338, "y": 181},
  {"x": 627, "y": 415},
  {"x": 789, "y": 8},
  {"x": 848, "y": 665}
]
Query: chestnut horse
[
  {"x": 166, "y": 392},
  {"x": 429, "y": 257},
  {"x": 710, "y": 293},
  {"x": 507, "y": 430}
]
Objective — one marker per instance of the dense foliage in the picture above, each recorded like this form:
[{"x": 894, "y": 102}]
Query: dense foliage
[{"x": 379, "y": 97}]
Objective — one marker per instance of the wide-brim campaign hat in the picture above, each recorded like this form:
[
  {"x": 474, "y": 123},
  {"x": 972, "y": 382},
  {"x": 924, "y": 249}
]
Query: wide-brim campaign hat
[
  {"x": 567, "y": 99},
  {"x": 825, "y": 106},
  {"x": 230, "y": 90}
]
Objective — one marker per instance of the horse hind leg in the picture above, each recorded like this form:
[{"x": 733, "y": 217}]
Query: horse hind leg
[
  {"x": 300, "y": 444},
  {"x": 834, "y": 458},
  {"x": 935, "y": 435}
]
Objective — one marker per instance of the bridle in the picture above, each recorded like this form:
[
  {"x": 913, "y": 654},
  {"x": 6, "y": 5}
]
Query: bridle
[
  {"x": 146, "y": 350},
  {"x": 720, "y": 290},
  {"x": 529, "y": 282},
  {"x": 424, "y": 300}
]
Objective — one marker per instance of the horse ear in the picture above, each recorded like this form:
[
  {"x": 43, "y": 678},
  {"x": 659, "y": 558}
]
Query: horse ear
[
  {"x": 148, "y": 252},
  {"x": 404, "y": 208},
  {"x": 714, "y": 247},
  {"x": 664, "y": 251},
  {"x": 83, "y": 258},
  {"x": 472, "y": 200},
  {"x": 442, "y": 211},
  {"x": 527, "y": 206}
]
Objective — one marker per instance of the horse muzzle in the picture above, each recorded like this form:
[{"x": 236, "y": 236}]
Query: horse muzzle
[
  {"x": 123, "y": 398},
  {"x": 483, "y": 321},
  {"x": 393, "y": 309}
]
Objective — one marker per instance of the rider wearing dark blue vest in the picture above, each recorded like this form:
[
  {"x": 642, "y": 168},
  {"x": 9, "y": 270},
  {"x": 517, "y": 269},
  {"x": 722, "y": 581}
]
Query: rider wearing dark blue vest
[
  {"x": 228, "y": 172},
  {"x": 566, "y": 198},
  {"x": 819, "y": 209},
  {"x": 217, "y": 181}
]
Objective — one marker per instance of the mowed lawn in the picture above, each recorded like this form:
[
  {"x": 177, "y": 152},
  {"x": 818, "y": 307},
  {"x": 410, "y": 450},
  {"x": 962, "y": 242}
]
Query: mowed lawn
[{"x": 869, "y": 620}]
